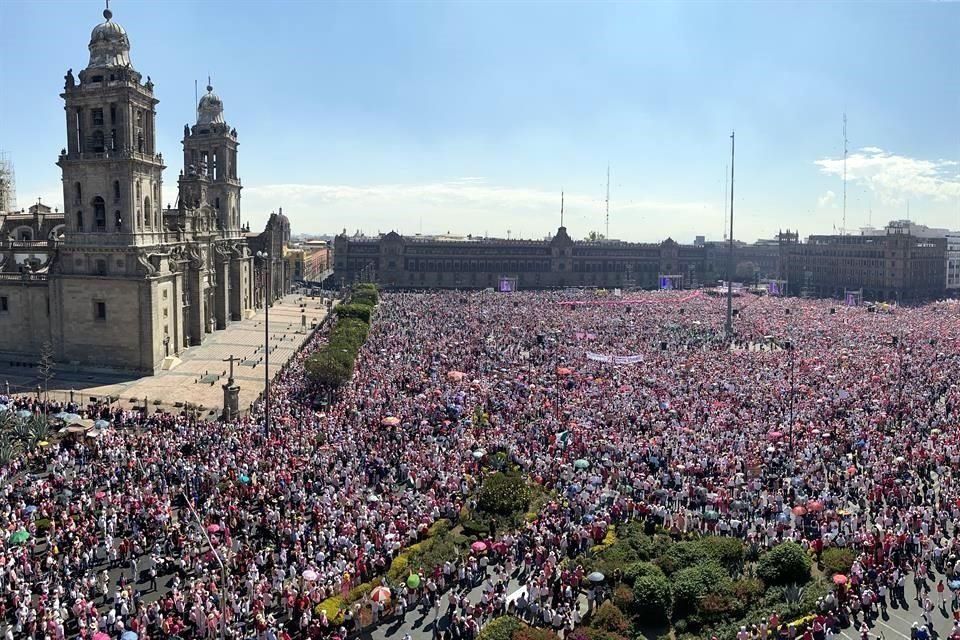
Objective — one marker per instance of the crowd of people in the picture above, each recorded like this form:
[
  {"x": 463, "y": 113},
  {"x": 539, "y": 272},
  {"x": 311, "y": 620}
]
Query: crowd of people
[{"x": 829, "y": 426}]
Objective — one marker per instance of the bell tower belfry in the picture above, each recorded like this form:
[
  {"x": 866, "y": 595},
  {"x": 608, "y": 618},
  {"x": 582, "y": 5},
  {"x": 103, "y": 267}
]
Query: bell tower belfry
[
  {"x": 112, "y": 173},
  {"x": 210, "y": 164},
  {"x": 111, "y": 299}
]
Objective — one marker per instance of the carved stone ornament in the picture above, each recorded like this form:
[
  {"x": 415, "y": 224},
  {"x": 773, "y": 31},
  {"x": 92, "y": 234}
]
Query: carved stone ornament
[{"x": 144, "y": 261}]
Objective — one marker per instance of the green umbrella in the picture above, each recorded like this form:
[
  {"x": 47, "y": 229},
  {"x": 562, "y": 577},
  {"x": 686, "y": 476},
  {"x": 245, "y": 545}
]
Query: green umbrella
[
  {"x": 19, "y": 537},
  {"x": 580, "y": 464},
  {"x": 413, "y": 581}
]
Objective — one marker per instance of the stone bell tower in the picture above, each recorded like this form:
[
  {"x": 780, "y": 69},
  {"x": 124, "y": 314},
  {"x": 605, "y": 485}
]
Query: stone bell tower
[{"x": 107, "y": 293}]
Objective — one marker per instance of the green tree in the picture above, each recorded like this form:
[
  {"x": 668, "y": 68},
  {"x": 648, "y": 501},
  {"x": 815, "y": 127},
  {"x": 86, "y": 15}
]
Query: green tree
[
  {"x": 786, "y": 563},
  {"x": 45, "y": 368},
  {"x": 594, "y": 236},
  {"x": 653, "y": 597},
  {"x": 504, "y": 494}
]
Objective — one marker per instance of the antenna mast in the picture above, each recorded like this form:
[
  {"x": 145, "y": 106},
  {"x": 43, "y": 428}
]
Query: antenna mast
[
  {"x": 729, "y": 327},
  {"x": 843, "y": 229},
  {"x": 726, "y": 186},
  {"x": 561, "y": 209},
  {"x": 608, "y": 202}
]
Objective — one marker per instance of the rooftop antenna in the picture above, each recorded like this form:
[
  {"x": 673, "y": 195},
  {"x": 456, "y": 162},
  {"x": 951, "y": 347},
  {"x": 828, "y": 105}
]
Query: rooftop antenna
[
  {"x": 561, "y": 209},
  {"x": 608, "y": 202},
  {"x": 726, "y": 187},
  {"x": 843, "y": 229}
]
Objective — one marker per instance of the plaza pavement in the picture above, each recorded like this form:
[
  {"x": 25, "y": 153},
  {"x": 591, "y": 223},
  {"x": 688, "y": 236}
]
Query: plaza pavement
[{"x": 202, "y": 370}]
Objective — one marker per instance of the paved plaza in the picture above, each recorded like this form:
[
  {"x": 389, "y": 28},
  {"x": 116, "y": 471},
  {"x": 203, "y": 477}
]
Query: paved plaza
[{"x": 202, "y": 370}]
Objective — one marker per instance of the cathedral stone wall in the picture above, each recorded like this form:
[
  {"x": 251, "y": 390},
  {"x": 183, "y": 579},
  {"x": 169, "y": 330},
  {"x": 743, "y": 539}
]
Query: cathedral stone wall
[{"x": 23, "y": 316}]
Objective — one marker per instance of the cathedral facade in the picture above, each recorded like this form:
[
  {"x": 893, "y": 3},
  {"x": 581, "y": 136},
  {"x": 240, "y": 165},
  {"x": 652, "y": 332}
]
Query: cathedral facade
[{"x": 129, "y": 284}]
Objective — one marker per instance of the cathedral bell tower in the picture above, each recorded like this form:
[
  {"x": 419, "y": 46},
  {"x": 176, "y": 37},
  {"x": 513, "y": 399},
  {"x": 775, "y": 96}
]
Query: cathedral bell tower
[
  {"x": 210, "y": 165},
  {"x": 112, "y": 173}
]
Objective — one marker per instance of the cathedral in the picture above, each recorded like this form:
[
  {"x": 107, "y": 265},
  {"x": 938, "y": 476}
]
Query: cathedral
[{"x": 128, "y": 284}]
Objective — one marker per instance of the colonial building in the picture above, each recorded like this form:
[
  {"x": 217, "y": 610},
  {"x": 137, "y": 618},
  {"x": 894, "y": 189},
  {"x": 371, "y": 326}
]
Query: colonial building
[
  {"x": 396, "y": 261},
  {"x": 128, "y": 284},
  {"x": 897, "y": 265}
]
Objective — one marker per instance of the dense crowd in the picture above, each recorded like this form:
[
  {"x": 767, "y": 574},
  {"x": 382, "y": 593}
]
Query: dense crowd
[{"x": 832, "y": 429}]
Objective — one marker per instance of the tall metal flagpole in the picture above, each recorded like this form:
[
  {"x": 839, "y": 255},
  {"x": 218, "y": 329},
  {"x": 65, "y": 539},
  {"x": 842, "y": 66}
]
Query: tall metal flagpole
[{"x": 730, "y": 257}]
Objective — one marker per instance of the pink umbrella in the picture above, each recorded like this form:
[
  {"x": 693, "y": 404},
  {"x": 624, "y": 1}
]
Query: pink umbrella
[
  {"x": 310, "y": 575},
  {"x": 213, "y": 528},
  {"x": 390, "y": 421},
  {"x": 816, "y": 505},
  {"x": 99, "y": 495},
  {"x": 839, "y": 578},
  {"x": 100, "y": 635},
  {"x": 774, "y": 435},
  {"x": 799, "y": 510},
  {"x": 478, "y": 547},
  {"x": 380, "y": 594}
]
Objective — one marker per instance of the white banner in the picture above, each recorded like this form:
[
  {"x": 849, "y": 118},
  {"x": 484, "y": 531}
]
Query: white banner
[{"x": 600, "y": 357}]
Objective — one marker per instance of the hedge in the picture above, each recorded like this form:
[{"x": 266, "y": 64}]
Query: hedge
[
  {"x": 332, "y": 364},
  {"x": 501, "y": 628}
]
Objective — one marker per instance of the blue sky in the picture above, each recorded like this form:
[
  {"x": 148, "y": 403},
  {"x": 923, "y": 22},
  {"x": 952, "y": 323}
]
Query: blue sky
[{"x": 471, "y": 117}]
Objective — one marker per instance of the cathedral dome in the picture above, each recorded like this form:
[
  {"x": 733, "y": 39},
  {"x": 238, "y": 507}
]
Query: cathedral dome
[
  {"x": 109, "y": 45},
  {"x": 210, "y": 109}
]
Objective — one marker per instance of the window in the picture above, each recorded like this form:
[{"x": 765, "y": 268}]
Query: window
[
  {"x": 116, "y": 189},
  {"x": 101, "y": 267},
  {"x": 99, "y": 214},
  {"x": 79, "y": 220},
  {"x": 100, "y": 311},
  {"x": 98, "y": 141},
  {"x": 113, "y": 114},
  {"x": 117, "y": 221},
  {"x": 98, "y": 117},
  {"x": 4, "y": 304},
  {"x": 78, "y": 192},
  {"x": 148, "y": 216}
]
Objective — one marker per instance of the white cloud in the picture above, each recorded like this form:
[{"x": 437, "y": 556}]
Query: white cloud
[
  {"x": 895, "y": 178},
  {"x": 467, "y": 205},
  {"x": 826, "y": 199}
]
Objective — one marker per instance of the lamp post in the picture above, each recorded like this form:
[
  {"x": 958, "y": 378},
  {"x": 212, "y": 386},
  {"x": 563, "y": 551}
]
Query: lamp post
[
  {"x": 263, "y": 255},
  {"x": 223, "y": 568}
]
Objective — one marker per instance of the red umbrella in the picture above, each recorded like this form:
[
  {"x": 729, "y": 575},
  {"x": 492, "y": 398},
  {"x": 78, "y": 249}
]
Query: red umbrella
[
  {"x": 564, "y": 371},
  {"x": 380, "y": 594},
  {"x": 799, "y": 510},
  {"x": 816, "y": 505}
]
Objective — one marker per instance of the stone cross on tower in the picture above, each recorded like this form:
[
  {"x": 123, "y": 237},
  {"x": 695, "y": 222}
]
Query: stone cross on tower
[{"x": 231, "y": 360}]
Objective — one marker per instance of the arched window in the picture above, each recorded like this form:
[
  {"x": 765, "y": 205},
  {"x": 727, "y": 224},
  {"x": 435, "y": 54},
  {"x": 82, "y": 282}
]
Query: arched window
[
  {"x": 99, "y": 214},
  {"x": 117, "y": 220},
  {"x": 147, "y": 212},
  {"x": 98, "y": 141},
  {"x": 79, "y": 192},
  {"x": 79, "y": 220},
  {"x": 116, "y": 189}
]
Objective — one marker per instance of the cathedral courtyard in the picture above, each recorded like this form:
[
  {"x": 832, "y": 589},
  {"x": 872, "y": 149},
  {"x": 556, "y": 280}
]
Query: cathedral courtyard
[{"x": 198, "y": 379}]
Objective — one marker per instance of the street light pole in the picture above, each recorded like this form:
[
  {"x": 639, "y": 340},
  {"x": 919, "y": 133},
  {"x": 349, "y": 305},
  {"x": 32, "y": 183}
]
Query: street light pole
[
  {"x": 223, "y": 568},
  {"x": 268, "y": 273}
]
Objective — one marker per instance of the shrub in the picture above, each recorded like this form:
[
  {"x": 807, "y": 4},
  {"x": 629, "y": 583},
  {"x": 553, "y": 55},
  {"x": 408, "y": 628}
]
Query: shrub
[
  {"x": 504, "y": 494},
  {"x": 592, "y": 633},
  {"x": 333, "y": 607},
  {"x": 398, "y": 568},
  {"x": 786, "y": 563},
  {"x": 357, "y": 592},
  {"x": 729, "y": 552},
  {"x": 439, "y": 527},
  {"x": 682, "y": 556},
  {"x": 836, "y": 560},
  {"x": 693, "y": 583},
  {"x": 747, "y": 590},
  {"x": 501, "y": 628},
  {"x": 623, "y": 597},
  {"x": 354, "y": 310},
  {"x": 653, "y": 597},
  {"x": 640, "y": 569},
  {"x": 527, "y": 632},
  {"x": 610, "y": 618}
]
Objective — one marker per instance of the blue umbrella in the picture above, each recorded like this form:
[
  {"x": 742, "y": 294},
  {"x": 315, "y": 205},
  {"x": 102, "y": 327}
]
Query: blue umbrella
[
  {"x": 30, "y": 509},
  {"x": 588, "y": 517},
  {"x": 24, "y": 413},
  {"x": 782, "y": 517},
  {"x": 129, "y": 635},
  {"x": 61, "y": 416},
  {"x": 101, "y": 424},
  {"x": 954, "y": 584},
  {"x": 3, "y": 408}
]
